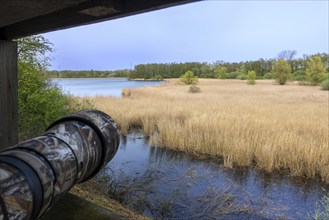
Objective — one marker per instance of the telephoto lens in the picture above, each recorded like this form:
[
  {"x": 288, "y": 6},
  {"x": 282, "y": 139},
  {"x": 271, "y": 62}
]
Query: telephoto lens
[{"x": 37, "y": 173}]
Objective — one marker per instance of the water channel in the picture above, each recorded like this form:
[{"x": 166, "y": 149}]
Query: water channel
[{"x": 165, "y": 184}]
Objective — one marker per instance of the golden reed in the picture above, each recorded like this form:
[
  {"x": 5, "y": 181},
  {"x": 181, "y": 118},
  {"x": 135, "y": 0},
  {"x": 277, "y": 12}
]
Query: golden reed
[{"x": 276, "y": 127}]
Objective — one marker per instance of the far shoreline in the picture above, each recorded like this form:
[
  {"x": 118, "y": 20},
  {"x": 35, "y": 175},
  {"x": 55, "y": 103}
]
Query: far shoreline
[
  {"x": 101, "y": 78},
  {"x": 83, "y": 78}
]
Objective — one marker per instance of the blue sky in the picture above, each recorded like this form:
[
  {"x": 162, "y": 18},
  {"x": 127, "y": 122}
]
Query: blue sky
[{"x": 203, "y": 31}]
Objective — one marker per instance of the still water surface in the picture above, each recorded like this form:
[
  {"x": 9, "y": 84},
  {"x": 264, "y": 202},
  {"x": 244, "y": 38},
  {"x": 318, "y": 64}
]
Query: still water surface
[
  {"x": 104, "y": 86},
  {"x": 165, "y": 184}
]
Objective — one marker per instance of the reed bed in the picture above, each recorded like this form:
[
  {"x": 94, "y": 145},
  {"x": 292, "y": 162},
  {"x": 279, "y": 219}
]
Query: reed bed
[{"x": 274, "y": 127}]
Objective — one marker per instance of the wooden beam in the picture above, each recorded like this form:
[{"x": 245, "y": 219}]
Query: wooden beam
[
  {"x": 65, "y": 18},
  {"x": 87, "y": 12},
  {"x": 8, "y": 94}
]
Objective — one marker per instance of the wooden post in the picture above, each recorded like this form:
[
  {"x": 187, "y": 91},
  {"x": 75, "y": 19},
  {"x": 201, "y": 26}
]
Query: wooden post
[{"x": 8, "y": 94}]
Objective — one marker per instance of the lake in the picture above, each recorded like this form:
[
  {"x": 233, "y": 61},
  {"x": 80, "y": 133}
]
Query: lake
[
  {"x": 103, "y": 86},
  {"x": 166, "y": 184}
]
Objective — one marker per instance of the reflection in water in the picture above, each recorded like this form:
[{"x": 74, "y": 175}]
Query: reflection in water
[{"x": 163, "y": 183}]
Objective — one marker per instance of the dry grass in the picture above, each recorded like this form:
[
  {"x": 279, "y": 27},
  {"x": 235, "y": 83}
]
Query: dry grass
[
  {"x": 89, "y": 192},
  {"x": 275, "y": 127}
]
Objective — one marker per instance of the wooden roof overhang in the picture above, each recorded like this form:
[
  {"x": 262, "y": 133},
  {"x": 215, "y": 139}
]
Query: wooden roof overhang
[{"x": 20, "y": 18}]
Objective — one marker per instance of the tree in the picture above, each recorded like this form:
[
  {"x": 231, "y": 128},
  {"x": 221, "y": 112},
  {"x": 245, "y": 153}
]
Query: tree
[
  {"x": 189, "y": 78},
  {"x": 39, "y": 101},
  {"x": 34, "y": 49},
  {"x": 281, "y": 71},
  {"x": 325, "y": 84},
  {"x": 288, "y": 55},
  {"x": 314, "y": 70},
  {"x": 251, "y": 77},
  {"x": 220, "y": 72}
]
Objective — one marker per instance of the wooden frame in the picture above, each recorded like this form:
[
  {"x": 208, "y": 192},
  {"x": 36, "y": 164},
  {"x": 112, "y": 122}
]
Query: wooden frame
[
  {"x": 8, "y": 94},
  {"x": 20, "y": 18}
]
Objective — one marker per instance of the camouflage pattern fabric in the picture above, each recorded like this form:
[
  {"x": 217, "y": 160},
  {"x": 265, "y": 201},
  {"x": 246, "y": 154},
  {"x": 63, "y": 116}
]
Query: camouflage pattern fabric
[{"x": 71, "y": 151}]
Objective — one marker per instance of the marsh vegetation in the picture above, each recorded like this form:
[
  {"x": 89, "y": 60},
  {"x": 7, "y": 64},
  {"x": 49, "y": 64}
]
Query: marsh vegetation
[
  {"x": 271, "y": 127},
  {"x": 275, "y": 130},
  {"x": 165, "y": 184}
]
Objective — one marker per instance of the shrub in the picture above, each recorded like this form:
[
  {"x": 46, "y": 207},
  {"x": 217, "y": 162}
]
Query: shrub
[
  {"x": 242, "y": 77},
  {"x": 194, "y": 89},
  {"x": 325, "y": 84},
  {"x": 281, "y": 71},
  {"x": 232, "y": 75},
  {"x": 251, "y": 77},
  {"x": 300, "y": 78},
  {"x": 189, "y": 78},
  {"x": 314, "y": 70},
  {"x": 299, "y": 73},
  {"x": 268, "y": 75},
  {"x": 324, "y": 76},
  {"x": 40, "y": 102},
  {"x": 221, "y": 72},
  {"x": 157, "y": 78}
]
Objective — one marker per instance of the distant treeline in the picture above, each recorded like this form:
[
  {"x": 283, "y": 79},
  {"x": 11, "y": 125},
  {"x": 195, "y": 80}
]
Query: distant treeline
[
  {"x": 218, "y": 69},
  {"x": 225, "y": 70}
]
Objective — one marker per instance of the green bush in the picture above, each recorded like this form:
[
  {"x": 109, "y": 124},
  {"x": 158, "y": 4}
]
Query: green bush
[
  {"x": 220, "y": 72},
  {"x": 325, "y": 84},
  {"x": 242, "y": 77},
  {"x": 251, "y": 77},
  {"x": 40, "y": 102},
  {"x": 232, "y": 75},
  {"x": 194, "y": 89},
  {"x": 324, "y": 76},
  {"x": 299, "y": 73},
  {"x": 314, "y": 70},
  {"x": 300, "y": 78},
  {"x": 268, "y": 75},
  {"x": 157, "y": 78},
  {"x": 281, "y": 71},
  {"x": 189, "y": 78}
]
